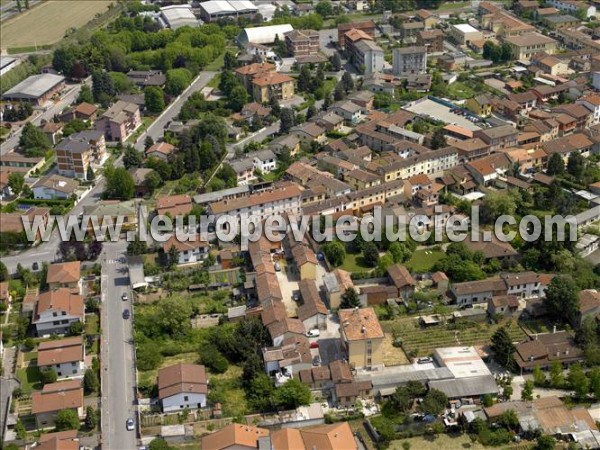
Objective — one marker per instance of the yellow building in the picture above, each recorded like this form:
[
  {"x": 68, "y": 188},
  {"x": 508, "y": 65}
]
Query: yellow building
[
  {"x": 480, "y": 105},
  {"x": 306, "y": 261},
  {"x": 362, "y": 337},
  {"x": 272, "y": 85},
  {"x": 525, "y": 46}
]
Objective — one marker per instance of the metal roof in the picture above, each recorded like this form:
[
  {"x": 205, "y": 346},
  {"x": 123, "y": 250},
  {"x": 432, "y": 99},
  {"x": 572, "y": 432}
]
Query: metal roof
[
  {"x": 35, "y": 86},
  {"x": 263, "y": 35},
  {"x": 465, "y": 387},
  {"x": 179, "y": 16}
]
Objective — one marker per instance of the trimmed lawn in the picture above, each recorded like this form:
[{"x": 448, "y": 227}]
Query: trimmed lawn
[
  {"x": 29, "y": 356},
  {"x": 460, "y": 90},
  {"x": 92, "y": 324},
  {"x": 424, "y": 260},
  {"x": 30, "y": 378},
  {"x": 355, "y": 263}
]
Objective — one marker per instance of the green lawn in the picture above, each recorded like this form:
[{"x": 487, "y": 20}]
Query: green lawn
[
  {"x": 355, "y": 263},
  {"x": 29, "y": 356},
  {"x": 460, "y": 90},
  {"x": 214, "y": 83},
  {"x": 217, "y": 64},
  {"x": 454, "y": 5},
  {"x": 92, "y": 324},
  {"x": 146, "y": 122},
  {"x": 424, "y": 260},
  {"x": 30, "y": 378}
]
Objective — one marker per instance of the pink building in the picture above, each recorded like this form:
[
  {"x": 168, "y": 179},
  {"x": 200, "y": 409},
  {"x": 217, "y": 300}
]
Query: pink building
[{"x": 119, "y": 121}]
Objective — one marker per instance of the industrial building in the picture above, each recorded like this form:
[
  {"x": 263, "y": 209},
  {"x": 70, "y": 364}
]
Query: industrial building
[
  {"x": 177, "y": 16},
  {"x": 36, "y": 89},
  {"x": 217, "y": 9},
  {"x": 263, "y": 35}
]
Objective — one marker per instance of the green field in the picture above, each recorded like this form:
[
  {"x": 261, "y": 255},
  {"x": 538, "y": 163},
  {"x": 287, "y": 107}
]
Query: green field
[
  {"x": 425, "y": 340},
  {"x": 355, "y": 264},
  {"x": 424, "y": 260}
]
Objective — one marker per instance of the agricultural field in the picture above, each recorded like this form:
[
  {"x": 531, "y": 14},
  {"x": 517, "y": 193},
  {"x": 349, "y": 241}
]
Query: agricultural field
[
  {"x": 423, "y": 341},
  {"x": 46, "y": 23}
]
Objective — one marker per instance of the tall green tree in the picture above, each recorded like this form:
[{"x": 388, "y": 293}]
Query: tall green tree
[
  {"x": 33, "y": 140},
  {"x": 293, "y": 394},
  {"x": 576, "y": 165},
  {"x": 350, "y": 299},
  {"x": 503, "y": 348},
  {"x": 562, "y": 299},
  {"x": 119, "y": 183},
  {"x": 85, "y": 95},
  {"x": 556, "y": 165},
  {"x": 67, "y": 419},
  {"x": 370, "y": 254},
  {"x": 287, "y": 120},
  {"x": 335, "y": 253},
  {"x": 154, "y": 99},
  {"x": 177, "y": 81},
  {"x": 578, "y": 380},
  {"x": 16, "y": 182},
  {"x": 527, "y": 392},
  {"x": 347, "y": 82}
]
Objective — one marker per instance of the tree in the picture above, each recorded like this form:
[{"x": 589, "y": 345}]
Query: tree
[
  {"x": 576, "y": 165},
  {"x": 148, "y": 356},
  {"x": 33, "y": 140},
  {"x": 527, "y": 392},
  {"x": 90, "y": 382},
  {"x": 311, "y": 111},
  {"x": 67, "y": 419},
  {"x": 3, "y": 272},
  {"x": 261, "y": 392},
  {"x": 338, "y": 92},
  {"x": 237, "y": 98},
  {"x": 287, "y": 120},
  {"x": 545, "y": 442},
  {"x": 148, "y": 142},
  {"x": 578, "y": 380},
  {"x": 556, "y": 375},
  {"x": 212, "y": 359},
  {"x": 90, "y": 175},
  {"x": 400, "y": 252},
  {"x": 103, "y": 87},
  {"x": 85, "y": 95},
  {"x": 137, "y": 246},
  {"x": 49, "y": 376},
  {"x": 539, "y": 379},
  {"x": 438, "y": 140},
  {"x": 556, "y": 165},
  {"x": 91, "y": 418},
  {"x": 434, "y": 402},
  {"x": 324, "y": 8},
  {"x": 503, "y": 348},
  {"x": 562, "y": 299},
  {"x": 292, "y": 394},
  {"x": 336, "y": 62},
  {"x": 159, "y": 444},
  {"x": 76, "y": 328},
  {"x": 154, "y": 99},
  {"x": 509, "y": 419},
  {"x": 335, "y": 253},
  {"x": 371, "y": 254},
  {"x": 132, "y": 158},
  {"x": 119, "y": 183},
  {"x": 347, "y": 82},
  {"x": 304, "y": 79},
  {"x": 16, "y": 181},
  {"x": 177, "y": 81},
  {"x": 350, "y": 299},
  {"x": 229, "y": 61},
  {"x": 172, "y": 257}
]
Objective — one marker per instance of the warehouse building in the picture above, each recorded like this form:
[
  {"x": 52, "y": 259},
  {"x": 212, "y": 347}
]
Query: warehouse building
[
  {"x": 263, "y": 35},
  {"x": 217, "y": 9},
  {"x": 177, "y": 16},
  {"x": 36, "y": 89}
]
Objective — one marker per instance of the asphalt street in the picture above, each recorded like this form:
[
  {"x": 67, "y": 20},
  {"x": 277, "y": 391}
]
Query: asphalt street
[{"x": 118, "y": 371}]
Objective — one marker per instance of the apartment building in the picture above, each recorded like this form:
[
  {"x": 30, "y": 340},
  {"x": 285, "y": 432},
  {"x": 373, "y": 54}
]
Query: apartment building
[
  {"x": 285, "y": 199},
  {"x": 362, "y": 337},
  {"x": 526, "y": 45},
  {"x": 498, "y": 137},
  {"x": 433, "y": 40},
  {"x": 497, "y": 19},
  {"x": 75, "y": 153},
  {"x": 367, "y": 56},
  {"x": 64, "y": 275},
  {"x": 272, "y": 85},
  {"x": 56, "y": 310},
  {"x": 574, "y": 6},
  {"x": 433, "y": 163},
  {"x": 367, "y": 26},
  {"x": 247, "y": 73},
  {"x": 120, "y": 121},
  {"x": 409, "y": 60},
  {"x": 302, "y": 42}
]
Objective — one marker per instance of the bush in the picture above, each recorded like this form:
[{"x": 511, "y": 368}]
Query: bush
[{"x": 213, "y": 360}]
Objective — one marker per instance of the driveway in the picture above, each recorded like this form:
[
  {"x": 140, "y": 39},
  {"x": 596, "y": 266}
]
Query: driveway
[{"x": 288, "y": 283}]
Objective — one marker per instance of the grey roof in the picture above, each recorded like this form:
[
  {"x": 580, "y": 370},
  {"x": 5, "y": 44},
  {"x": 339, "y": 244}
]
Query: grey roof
[
  {"x": 236, "y": 311},
  {"x": 398, "y": 375},
  {"x": 263, "y": 155},
  {"x": 465, "y": 387},
  {"x": 241, "y": 165},
  {"x": 79, "y": 142},
  {"x": 35, "y": 86},
  {"x": 365, "y": 46},
  {"x": 5, "y": 61},
  {"x": 219, "y": 195},
  {"x": 411, "y": 50},
  {"x": 178, "y": 16},
  {"x": 587, "y": 215}
]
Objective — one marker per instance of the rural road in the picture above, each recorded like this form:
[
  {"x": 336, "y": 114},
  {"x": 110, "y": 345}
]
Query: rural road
[
  {"x": 157, "y": 129},
  {"x": 118, "y": 368},
  {"x": 9, "y": 9},
  {"x": 66, "y": 100}
]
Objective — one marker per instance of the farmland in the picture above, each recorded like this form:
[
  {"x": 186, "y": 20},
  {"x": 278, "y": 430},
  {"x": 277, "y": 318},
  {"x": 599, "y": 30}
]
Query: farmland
[
  {"x": 46, "y": 23},
  {"x": 424, "y": 340}
]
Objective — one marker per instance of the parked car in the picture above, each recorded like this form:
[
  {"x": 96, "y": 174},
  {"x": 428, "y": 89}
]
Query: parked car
[
  {"x": 424, "y": 360},
  {"x": 313, "y": 333},
  {"x": 129, "y": 424},
  {"x": 296, "y": 296},
  {"x": 314, "y": 344},
  {"x": 124, "y": 296},
  {"x": 316, "y": 360},
  {"x": 35, "y": 266},
  {"x": 277, "y": 267},
  {"x": 126, "y": 314}
]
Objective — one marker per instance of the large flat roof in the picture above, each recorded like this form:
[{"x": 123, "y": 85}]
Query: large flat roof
[
  {"x": 35, "y": 86},
  {"x": 466, "y": 28}
]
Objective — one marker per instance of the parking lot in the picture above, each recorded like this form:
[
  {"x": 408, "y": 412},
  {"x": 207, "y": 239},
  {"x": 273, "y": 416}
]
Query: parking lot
[{"x": 427, "y": 107}]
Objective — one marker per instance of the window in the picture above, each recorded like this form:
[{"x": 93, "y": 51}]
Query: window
[{"x": 185, "y": 398}]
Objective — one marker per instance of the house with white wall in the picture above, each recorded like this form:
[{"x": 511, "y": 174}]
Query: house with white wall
[{"x": 182, "y": 386}]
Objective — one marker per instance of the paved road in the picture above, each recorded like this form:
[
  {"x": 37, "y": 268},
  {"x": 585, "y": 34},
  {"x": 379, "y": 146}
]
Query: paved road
[
  {"x": 157, "y": 128},
  {"x": 9, "y": 9},
  {"x": 118, "y": 372},
  {"x": 67, "y": 99}
]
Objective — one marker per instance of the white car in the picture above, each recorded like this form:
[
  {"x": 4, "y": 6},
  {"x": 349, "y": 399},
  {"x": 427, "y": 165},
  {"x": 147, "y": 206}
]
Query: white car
[
  {"x": 124, "y": 297},
  {"x": 129, "y": 424},
  {"x": 313, "y": 333}
]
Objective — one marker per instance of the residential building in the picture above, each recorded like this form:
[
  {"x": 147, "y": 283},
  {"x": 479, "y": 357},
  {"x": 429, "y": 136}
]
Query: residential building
[
  {"x": 174, "y": 205},
  {"x": 312, "y": 312},
  {"x": 591, "y": 102},
  {"x": 160, "y": 150},
  {"x": 246, "y": 74},
  {"x": 12, "y": 229},
  {"x": 368, "y": 57},
  {"x": 56, "y": 310},
  {"x": 550, "y": 64},
  {"x": 410, "y": 30},
  {"x": 272, "y": 85},
  {"x": 545, "y": 348},
  {"x": 119, "y": 121},
  {"x": 64, "y": 275},
  {"x": 526, "y": 45},
  {"x": 36, "y": 89},
  {"x": 182, "y": 386},
  {"x": 252, "y": 112},
  {"x": 284, "y": 199},
  {"x": 499, "y": 21},
  {"x": 409, "y": 60},
  {"x": 304, "y": 258},
  {"x": 146, "y": 78},
  {"x": 55, "y": 187},
  {"x": 573, "y": 143},
  {"x": 428, "y": 18},
  {"x": 115, "y": 209},
  {"x": 65, "y": 356},
  {"x": 192, "y": 251},
  {"x": 336, "y": 283},
  {"x": 235, "y": 437},
  {"x": 76, "y": 153},
  {"x": 21, "y": 163},
  {"x": 56, "y": 397},
  {"x": 571, "y": 6},
  {"x": 480, "y": 105},
  {"x": 349, "y": 110},
  {"x": 499, "y": 137},
  {"x": 366, "y": 26},
  {"x": 464, "y": 34},
  {"x": 402, "y": 280},
  {"x": 589, "y": 306},
  {"x": 302, "y": 42},
  {"x": 310, "y": 132},
  {"x": 60, "y": 440},
  {"x": 560, "y": 21},
  {"x": 53, "y": 131},
  {"x": 362, "y": 337},
  {"x": 432, "y": 40}
]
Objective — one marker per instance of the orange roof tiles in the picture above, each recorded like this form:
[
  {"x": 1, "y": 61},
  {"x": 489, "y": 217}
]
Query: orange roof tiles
[{"x": 360, "y": 324}]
